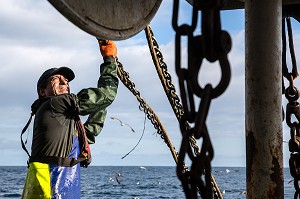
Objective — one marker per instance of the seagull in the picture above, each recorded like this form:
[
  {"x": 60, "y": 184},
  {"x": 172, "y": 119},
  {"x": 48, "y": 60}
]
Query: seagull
[
  {"x": 243, "y": 193},
  {"x": 117, "y": 177},
  {"x": 122, "y": 124},
  {"x": 111, "y": 179}
]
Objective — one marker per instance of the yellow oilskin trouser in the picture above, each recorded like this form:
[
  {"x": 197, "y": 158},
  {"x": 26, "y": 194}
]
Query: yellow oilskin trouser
[{"x": 37, "y": 184}]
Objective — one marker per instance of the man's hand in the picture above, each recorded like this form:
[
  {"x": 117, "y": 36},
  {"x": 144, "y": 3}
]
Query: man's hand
[{"x": 108, "y": 48}]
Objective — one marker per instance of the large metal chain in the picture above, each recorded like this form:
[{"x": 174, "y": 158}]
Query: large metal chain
[
  {"x": 292, "y": 107},
  {"x": 214, "y": 45},
  {"x": 169, "y": 88},
  {"x": 125, "y": 79},
  {"x": 163, "y": 74}
]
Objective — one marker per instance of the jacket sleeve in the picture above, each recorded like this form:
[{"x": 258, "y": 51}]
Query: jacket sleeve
[{"x": 94, "y": 101}]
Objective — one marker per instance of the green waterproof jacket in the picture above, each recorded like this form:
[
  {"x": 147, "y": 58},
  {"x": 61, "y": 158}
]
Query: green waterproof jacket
[{"x": 54, "y": 123}]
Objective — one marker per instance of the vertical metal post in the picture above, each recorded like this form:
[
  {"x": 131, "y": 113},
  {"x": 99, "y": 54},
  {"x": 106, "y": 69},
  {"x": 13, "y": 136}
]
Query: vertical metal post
[{"x": 263, "y": 99}]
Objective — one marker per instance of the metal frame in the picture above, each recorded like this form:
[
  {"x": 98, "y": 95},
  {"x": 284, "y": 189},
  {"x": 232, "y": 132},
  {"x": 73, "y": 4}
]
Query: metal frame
[{"x": 263, "y": 90}]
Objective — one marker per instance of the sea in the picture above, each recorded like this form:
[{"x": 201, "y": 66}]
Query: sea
[{"x": 137, "y": 182}]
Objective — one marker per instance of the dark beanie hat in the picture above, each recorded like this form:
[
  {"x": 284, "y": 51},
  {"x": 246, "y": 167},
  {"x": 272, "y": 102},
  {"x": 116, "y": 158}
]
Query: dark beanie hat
[{"x": 65, "y": 71}]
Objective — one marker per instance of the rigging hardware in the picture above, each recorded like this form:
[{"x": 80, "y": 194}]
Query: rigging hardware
[
  {"x": 214, "y": 44},
  {"x": 292, "y": 107},
  {"x": 169, "y": 88}
]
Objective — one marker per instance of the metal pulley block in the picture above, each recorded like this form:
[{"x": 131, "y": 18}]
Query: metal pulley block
[{"x": 109, "y": 19}]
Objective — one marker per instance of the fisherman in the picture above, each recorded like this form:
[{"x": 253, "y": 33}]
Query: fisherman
[{"x": 60, "y": 143}]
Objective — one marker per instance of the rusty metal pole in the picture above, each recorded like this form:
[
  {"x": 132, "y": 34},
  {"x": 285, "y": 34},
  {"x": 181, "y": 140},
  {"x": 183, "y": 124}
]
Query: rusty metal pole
[{"x": 264, "y": 162}]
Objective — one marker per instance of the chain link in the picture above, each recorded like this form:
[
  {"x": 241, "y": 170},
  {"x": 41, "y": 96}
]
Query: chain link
[
  {"x": 292, "y": 107},
  {"x": 214, "y": 45},
  {"x": 125, "y": 79},
  {"x": 163, "y": 74},
  {"x": 169, "y": 88}
]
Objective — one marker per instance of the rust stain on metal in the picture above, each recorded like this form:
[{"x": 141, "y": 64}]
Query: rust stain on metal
[
  {"x": 250, "y": 149},
  {"x": 277, "y": 189},
  {"x": 277, "y": 186}
]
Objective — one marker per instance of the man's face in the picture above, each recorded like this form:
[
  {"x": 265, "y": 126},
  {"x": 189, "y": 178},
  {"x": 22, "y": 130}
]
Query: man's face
[{"x": 57, "y": 85}]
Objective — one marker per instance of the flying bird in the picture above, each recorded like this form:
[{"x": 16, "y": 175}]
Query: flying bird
[
  {"x": 117, "y": 177},
  {"x": 123, "y": 124}
]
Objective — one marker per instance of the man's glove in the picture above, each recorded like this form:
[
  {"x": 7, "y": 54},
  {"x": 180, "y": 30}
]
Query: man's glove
[{"x": 108, "y": 48}]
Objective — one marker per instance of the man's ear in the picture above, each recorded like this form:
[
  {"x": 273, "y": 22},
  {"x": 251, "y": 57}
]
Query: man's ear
[{"x": 42, "y": 92}]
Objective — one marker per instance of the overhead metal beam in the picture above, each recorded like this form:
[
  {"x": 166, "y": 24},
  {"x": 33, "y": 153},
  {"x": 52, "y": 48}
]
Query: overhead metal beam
[
  {"x": 240, "y": 4},
  {"x": 229, "y": 5}
]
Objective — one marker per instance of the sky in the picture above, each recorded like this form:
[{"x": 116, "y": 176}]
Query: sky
[{"x": 34, "y": 36}]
